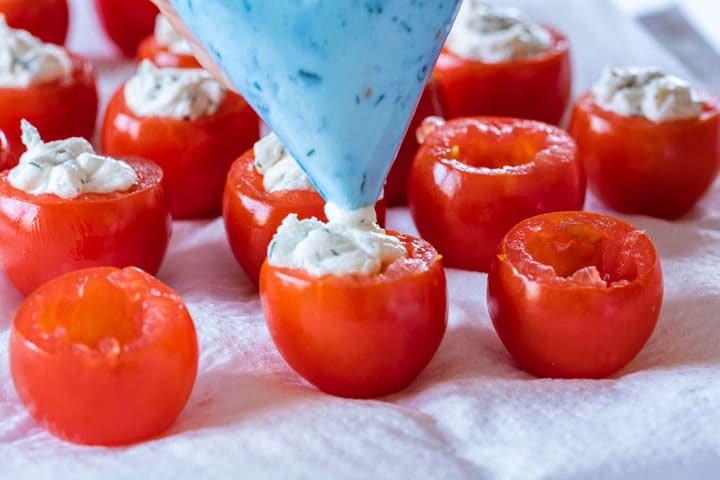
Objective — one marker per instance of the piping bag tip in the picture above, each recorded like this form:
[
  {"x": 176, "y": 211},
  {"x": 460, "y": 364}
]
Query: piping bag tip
[{"x": 337, "y": 81}]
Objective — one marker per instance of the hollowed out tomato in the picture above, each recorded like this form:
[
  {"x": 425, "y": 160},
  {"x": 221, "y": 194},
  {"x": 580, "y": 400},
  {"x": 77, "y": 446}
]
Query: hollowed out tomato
[{"x": 574, "y": 294}]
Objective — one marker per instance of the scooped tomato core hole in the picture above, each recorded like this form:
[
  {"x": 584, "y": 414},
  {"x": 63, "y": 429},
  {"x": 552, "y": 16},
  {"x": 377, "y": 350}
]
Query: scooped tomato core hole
[
  {"x": 569, "y": 251},
  {"x": 494, "y": 147},
  {"x": 99, "y": 314},
  {"x": 583, "y": 253}
]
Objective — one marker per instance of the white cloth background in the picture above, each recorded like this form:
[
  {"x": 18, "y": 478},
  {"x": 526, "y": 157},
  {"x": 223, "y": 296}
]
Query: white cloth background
[{"x": 471, "y": 414}]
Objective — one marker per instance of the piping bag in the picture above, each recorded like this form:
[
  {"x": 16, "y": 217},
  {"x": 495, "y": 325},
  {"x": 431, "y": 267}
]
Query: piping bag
[{"x": 337, "y": 80}]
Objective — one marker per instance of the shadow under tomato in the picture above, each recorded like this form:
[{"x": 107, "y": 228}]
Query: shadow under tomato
[
  {"x": 10, "y": 300},
  {"x": 468, "y": 351},
  {"x": 222, "y": 399},
  {"x": 18, "y": 425},
  {"x": 706, "y": 213},
  {"x": 686, "y": 335}
]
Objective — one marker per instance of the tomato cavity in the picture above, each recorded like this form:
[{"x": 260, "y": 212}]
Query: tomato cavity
[
  {"x": 582, "y": 254},
  {"x": 487, "y": 143},
  {"x": 105, "y": 312}
]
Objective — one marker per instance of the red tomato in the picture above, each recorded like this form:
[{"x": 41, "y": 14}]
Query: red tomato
[
  {"x": 252, "y": 215},
  {"x": 43, "y": 236},
  {"x": 637, "y": 166},
  {"x": 430, "y": 104},
  {"x": 359, "y": 336},
  {"x": 474, "y": 178},
  {"x": 574, "y": 294},
  {"x": 58, "y": 110},
  {"x": 537, "y": 87},
  {"x": 46, "y": 19},
  {"x": 161, "y": 56},
  {"x": 116, "y": 367},
  {"x": 127, "y": 22},
  {"x": 194, "y": 154}
]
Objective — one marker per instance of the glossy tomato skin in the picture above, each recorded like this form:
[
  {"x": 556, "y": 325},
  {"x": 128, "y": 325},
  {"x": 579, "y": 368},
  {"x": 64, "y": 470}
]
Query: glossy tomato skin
[
  {"x": 252, "y": 215},
  {"x": 637, "y": 166},
  {"x": 127, "y": 22},
  {"x": 59, "y": 110},
  {"x": 558, "y": 319},
  {"x": 194, "y": 154},
  {"x": 537, "y": 87},
  {"x": 356, "y": 336},
  {"x": 126, "y": 377},
  {"x": 46, "y": 19},
  {"x": 474, "y": 178},
  {"x": 160, "y": 55},
  {"x": 430, "y": 104},
  {"x": 43, "y": 236}
]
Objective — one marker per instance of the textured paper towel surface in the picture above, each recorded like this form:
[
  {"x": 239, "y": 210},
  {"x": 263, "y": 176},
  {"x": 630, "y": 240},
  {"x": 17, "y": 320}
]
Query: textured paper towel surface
[{"x": 471, "y": 414}]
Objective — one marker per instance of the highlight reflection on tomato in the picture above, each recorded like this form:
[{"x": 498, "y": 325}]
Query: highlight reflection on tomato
[
  {"x": 252, "y": 215},
  {"x": 116, "y": 367},
  {"x": 195, "y": 155},
  {"x": 58, "y": 110},
  {"x": 537, "y": 87},
  {"x": 43, "y": 236},
  {"x": 474, "y": 178},
  {"x": 635, "y": 165},
  {"x": 574, "y": 294},
  {"x": 359, "y": 336},
  {"x": 46, "y": 19}
]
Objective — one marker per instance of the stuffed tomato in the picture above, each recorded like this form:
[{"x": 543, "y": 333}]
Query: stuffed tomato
[
  {"x": 263, "y": 187},
  {"x": 650, "y": 143},
  {"x": 48, "y": 86},
  {"x": 498, "y": 62},
  {"x": 64, "y": 208},
  {"x": 358, "y": 335},
  {"x": 192, "y": 127}
]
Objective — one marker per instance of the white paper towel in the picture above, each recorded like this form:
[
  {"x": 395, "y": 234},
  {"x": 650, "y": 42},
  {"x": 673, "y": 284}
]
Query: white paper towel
[{"x": 471, "y": 414}]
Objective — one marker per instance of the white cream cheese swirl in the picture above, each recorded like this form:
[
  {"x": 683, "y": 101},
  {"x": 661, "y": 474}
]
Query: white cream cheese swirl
[
  {"x": 495, "y": 34},
  {"x": 167, "y": 36},
  {"x": 67, "y": 168},
  {"x": 350, "y": 243},
  {"x": 646, "y": 92},
  {"x": 179, "y": 93},
  {"x": 25, "y": 61},
  {"x": 279, "y": 169}
]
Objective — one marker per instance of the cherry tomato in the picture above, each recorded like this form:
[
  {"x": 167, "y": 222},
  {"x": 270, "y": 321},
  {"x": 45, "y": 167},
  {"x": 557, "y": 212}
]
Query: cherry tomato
[
  {"x": 430, "y": 104},
  {"x": 161, "y": 55},
  {"x": 359, "y": 336},
  {"x": 59, "y": 110},
  {"x": 536, "y": 87},
  {"x": 637, "y": 166},
  {"x": 43, "y": 236},
  {"x": 194, "y": 154},
  {"x": 127, "y": 22},
  {"x": 252, "y": 215},
  {"x": 116, "y": 367},
  {"x": 574, "y": 294},
  {"x": 46, "y": 19},
  {"x": 474, "y": 178}
]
